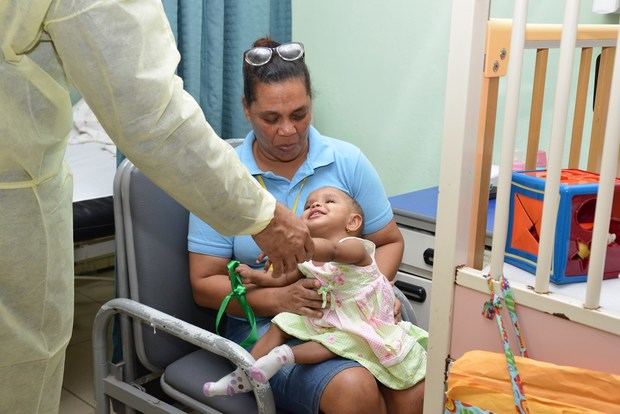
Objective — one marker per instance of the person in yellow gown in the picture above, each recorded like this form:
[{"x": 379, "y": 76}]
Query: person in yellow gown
[{"x": 121, "y": 57}]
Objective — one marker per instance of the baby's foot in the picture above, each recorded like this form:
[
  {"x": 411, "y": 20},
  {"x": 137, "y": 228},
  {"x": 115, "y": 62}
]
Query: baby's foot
[
  {"x": 258, "y": 374},
  {"x": 234, "y": 383}
]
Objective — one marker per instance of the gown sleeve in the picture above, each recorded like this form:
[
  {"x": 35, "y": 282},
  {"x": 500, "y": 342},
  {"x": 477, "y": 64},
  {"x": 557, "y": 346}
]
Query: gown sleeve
[{"x": 122, "y": 57}]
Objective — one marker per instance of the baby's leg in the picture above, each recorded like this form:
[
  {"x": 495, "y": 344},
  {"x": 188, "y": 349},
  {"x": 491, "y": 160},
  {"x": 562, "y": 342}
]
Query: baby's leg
[
  {"x": 237, "y": 382},
  {"x": 272, "y": 338},
  {"x": 306, "y": 353},
  {"x": 271, "y": 354},
  {"x": 311, "y": 353}
]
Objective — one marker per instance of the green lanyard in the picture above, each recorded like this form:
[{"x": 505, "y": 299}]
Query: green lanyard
[{"x": 238, "y": 292}]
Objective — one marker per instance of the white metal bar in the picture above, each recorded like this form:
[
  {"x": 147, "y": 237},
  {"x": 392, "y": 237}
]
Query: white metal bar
[
  {"x": 456, "y": 181},
  {"x": 509, "y": 130},
  {"x": 609, "y": 164},
  {"x": 176, "y": 327},
  {"x": 556, "y": 149},
  {"x": 552, "y": 303}
]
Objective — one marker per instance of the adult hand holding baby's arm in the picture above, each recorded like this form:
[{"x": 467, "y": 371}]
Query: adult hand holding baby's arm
[
  {"x": 264, "y": 278},
  {"x": 257, "y": 277},
  {"x": 286, "y": 240}
]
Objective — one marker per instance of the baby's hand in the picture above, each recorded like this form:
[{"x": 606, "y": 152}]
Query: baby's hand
[
  {"x": 264, "y": 278},
  {"x": 253, "y": 276}
]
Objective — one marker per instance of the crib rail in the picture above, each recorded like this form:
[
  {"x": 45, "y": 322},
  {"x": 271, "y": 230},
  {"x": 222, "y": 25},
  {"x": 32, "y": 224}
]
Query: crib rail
[
  {"x": 542, "y": 38},
  {"x": 589, "y": 37},
  {"x": 472, "y": 100},
  {"x": 609, "y": 168}
]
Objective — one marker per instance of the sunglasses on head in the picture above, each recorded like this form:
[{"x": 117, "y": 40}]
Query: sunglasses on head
[{"x": 258, "y": 56}]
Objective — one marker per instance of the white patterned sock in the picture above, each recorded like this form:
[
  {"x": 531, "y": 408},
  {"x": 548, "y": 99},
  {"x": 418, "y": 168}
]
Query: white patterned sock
[
  {"x": 266, "y": 366},
  {"x": 234, "y": 383}
]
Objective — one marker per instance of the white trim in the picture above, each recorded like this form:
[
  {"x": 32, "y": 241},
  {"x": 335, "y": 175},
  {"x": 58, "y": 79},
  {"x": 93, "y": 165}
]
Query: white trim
[
  {"x": 528, "y": 188},
  {"x": 556, "y": 146},
  {"x": 95, "y": 248},
  {"x": 509, "y": 130},
  {"x": 521, "y": 258},
  {"x": 605, "y": 196},
  {"x": 456, "y": 181},
  {"x": 552, "y": 303}
]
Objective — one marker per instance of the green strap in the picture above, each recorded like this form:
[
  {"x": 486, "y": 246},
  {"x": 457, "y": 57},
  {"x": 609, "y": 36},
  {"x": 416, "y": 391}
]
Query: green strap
[
  {"x": 238, "y": 292},
  {"x": 324, "y": 290}
]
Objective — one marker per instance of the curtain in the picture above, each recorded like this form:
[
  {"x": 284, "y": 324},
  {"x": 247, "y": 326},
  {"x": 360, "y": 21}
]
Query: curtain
[{"x": 211, "y": 36}]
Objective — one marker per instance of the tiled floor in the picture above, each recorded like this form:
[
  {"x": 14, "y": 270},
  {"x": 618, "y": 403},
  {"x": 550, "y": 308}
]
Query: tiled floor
[
  {"x": 77, "y": 392},
  {"x": 77, "y": 389}
]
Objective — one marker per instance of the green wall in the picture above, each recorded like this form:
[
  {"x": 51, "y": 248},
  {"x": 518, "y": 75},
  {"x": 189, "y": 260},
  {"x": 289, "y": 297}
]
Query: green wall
[{"x": 379, "y": 72}]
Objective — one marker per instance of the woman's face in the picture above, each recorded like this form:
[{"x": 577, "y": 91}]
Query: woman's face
[{"x": 280, "y": 116}]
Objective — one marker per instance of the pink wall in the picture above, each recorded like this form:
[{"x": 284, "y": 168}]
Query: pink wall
[{"x": 548, "y": 338}]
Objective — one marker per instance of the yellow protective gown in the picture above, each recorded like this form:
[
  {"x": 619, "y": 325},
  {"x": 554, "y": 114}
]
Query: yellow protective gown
[{"x": 121, "y": 56}]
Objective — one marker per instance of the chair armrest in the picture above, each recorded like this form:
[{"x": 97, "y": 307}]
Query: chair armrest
[
  {"x": 406, "y": 310},
  {"x": 181, "y": 329}
]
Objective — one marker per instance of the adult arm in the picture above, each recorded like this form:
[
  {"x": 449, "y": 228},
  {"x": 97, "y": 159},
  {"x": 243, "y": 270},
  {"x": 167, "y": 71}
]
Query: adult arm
[
  {"x": 210, "y": 284},
  {"x": 379, "y": 224},
  {"x": 389, "y": 254},
  {"x": 390, "y": 246},
  {"x": 122, "y": 58}
]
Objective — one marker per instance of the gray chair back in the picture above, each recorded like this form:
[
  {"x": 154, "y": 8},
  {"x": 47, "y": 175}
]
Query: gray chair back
[
  {"x": 156, "y": 238},
  {"x": 155, "y": 233}
]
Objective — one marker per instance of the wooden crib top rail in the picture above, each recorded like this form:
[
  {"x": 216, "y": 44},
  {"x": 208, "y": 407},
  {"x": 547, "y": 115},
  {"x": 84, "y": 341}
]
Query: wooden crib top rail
[{"x": 541, "y": 37}]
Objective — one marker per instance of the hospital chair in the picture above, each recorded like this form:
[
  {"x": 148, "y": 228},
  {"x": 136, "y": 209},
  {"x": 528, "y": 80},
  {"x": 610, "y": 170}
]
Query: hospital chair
[{"x": 164, "y": 333}]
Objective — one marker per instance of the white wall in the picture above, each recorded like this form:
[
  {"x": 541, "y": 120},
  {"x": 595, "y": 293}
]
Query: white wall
[{"x": 378, "y": 70}]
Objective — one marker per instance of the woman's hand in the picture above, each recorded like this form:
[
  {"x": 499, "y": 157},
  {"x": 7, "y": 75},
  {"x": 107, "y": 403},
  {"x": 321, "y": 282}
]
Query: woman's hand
[{"x": 302, "y": 298}]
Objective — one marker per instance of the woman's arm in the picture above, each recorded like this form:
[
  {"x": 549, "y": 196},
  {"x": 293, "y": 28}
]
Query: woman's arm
[
  {"x": 210, "y": 285},
  {"x": 390, "y": 246},
  {"x": 369, "y": 193}
]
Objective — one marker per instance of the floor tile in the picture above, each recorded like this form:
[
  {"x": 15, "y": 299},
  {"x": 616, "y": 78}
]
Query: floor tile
[
  {"x": 85, "y": 311},
  {"x": 78, "y": 378},
  {"x": 70, "y": 404},
  {"x": 98, "y": 290},
  {"x": 77, "y": 394}
]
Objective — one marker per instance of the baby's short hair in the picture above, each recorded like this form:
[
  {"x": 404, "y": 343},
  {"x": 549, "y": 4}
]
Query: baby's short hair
[{"x": 357, "y": 208}]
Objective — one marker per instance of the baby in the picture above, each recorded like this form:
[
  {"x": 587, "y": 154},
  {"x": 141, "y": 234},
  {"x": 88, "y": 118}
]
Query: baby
[{"x": 359, "y": 321}]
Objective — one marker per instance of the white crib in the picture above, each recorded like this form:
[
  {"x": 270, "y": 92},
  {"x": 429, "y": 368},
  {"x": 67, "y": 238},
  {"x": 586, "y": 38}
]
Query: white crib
[{"x": 576, "y": 325}]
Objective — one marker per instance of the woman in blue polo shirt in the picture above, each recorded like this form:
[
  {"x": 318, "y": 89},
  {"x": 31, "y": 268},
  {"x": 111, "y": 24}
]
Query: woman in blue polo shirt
[{"x": 290, "y": 159}]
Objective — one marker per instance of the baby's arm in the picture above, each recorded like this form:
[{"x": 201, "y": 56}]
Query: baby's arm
[
  {"x": 350, "y": 251},
  {"x": 264, "y": 278}
]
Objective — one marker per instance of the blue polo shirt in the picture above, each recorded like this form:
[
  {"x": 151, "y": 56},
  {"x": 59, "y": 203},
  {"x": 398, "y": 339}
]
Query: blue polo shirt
[{"x": 330, "y": 162}]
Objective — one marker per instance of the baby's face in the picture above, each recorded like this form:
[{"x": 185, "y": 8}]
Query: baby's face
[{"x": 327, "y": 208}]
